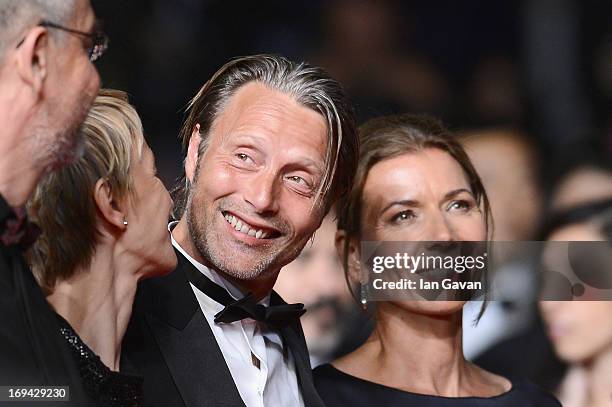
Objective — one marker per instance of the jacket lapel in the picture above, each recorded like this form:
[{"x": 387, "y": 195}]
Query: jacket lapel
[
  {"x": 188, "y": 345},
  {"x": 294, "y": 340}
]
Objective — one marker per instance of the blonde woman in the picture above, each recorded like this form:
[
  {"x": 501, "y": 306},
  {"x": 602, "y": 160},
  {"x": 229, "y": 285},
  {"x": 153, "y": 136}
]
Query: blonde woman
[{"x": 103, "y": 222}]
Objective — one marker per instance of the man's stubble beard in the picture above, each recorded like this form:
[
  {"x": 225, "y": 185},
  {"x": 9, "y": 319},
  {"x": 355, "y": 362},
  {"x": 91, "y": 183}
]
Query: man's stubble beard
[
  {"x": 264, "y": 267},
  {"x": 57, "y": 148}
]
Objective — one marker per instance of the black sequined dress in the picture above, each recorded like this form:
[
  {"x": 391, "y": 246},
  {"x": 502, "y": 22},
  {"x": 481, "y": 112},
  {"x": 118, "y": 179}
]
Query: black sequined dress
[{"x": 102, "y": 384}]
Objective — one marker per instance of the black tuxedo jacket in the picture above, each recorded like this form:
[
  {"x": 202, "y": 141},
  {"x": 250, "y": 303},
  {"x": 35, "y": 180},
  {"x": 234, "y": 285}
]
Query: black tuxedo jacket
[{"x": 171, "y": 344}]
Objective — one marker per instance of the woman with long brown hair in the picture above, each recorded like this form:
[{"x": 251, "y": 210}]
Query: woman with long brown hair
[{"x": 414, "y": 183}]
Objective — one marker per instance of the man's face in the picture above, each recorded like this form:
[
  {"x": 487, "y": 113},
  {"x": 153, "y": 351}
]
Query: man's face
[
  {"x": 252, "y": 203},
  {"x": 70, "y": 89}
]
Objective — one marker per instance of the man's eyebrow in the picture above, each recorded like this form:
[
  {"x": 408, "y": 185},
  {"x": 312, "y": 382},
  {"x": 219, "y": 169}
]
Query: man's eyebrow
[
  {"x": 307, "y": 162},
  {"x": 241, "y": 137}
]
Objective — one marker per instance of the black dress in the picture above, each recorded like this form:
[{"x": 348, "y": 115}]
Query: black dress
[
  {"x": 341, "y": 389},
  {"x": 37, "y": 346}
]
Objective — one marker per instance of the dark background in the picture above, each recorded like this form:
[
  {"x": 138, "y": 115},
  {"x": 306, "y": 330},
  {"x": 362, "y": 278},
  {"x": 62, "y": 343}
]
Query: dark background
[{"x": 542, "y": 66}]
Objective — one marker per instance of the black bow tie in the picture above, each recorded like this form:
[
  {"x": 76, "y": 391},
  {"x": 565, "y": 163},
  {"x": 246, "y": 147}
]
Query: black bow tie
[{"x": 276, "y": 316}]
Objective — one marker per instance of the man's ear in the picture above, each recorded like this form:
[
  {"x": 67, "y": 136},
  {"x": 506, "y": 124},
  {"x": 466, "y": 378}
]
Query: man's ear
[
  {"x": 353, "y": 255},
  {"x": 32, "y": 58},
  {"x": 108, "y": 207},
  {"x": 191, "y": 161}
]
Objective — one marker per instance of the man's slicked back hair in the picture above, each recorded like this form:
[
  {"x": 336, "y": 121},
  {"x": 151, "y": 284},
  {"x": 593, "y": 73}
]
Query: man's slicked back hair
[{"x": 308, "y": 85}]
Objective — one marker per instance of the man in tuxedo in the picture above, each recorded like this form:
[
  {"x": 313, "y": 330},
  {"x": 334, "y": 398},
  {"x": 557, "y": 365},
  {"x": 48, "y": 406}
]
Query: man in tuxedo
[
  {"x": 270, "y": 145},
  {"x": 47, "y": 84}
]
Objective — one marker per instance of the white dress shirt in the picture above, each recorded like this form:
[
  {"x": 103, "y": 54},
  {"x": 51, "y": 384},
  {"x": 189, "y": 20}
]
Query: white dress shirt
[{"x": 246, "y": 344}]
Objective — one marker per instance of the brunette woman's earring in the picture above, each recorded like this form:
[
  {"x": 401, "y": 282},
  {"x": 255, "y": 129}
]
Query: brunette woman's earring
[
  {"x": 125, "y": 222},
  {"x": 364, "y": 296}
]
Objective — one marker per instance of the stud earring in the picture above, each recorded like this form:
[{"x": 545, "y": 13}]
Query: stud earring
[{"x": 125, "y": 222}]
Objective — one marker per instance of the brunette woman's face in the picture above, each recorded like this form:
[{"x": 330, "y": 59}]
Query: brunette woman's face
[{"x": 421, "y": 196}]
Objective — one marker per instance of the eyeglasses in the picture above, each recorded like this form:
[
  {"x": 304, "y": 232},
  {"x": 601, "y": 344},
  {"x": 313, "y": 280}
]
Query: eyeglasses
[{"x": 96, "y": 42}]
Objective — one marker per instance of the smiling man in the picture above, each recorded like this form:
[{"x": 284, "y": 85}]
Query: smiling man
[{"x": 270, "y": 145}]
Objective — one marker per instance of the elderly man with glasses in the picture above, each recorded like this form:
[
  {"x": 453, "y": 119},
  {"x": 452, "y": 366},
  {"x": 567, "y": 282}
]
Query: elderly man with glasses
[{"x": 47, "y": 85}]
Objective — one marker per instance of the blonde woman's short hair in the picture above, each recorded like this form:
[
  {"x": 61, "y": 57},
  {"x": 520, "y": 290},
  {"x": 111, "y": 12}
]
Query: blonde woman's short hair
[{"x": 63, "y": 204}]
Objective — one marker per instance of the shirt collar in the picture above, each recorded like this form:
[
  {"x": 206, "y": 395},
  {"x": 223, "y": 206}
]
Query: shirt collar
[{"x": 210, "y": 273}]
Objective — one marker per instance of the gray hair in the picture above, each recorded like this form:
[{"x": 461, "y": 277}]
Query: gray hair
[
  {"x": 16, "y": 15},
  {"x": 310, "y": 86}
]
